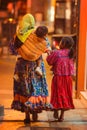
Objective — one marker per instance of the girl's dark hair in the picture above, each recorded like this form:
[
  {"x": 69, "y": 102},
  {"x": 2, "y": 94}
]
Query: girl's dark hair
[
  {"x": 41, "y": 31},
  {"x": 68, "y": 43}
]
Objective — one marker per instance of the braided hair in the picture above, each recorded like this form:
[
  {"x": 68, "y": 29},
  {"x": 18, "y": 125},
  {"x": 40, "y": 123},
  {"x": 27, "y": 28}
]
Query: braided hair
[{"x": 68, "y": 43}]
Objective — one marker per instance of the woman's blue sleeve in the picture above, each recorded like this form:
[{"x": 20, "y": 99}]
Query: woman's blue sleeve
[
  {"x": 11, "y": 47},
  {"x": 48, "y": 43}
]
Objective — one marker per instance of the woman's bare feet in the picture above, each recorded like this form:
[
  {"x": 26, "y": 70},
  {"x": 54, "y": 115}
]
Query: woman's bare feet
[
  {"x": 34, "y": 116},
  {"x": 27, "y": 116}
]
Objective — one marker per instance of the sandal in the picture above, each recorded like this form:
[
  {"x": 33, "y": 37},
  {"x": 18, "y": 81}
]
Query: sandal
[{"x": 61, "y": 119}]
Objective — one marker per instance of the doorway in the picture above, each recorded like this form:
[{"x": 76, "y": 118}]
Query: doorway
[{"x": 67, "y": 23}]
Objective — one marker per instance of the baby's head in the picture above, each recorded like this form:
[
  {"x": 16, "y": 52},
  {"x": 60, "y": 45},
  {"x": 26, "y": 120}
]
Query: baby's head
[
  {"x": 41, "y": 31},
  {"x": 66, "y": 42}
]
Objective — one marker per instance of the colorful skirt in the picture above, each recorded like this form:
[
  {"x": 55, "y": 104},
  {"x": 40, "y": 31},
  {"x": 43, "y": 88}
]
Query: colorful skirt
[
  {"x": 61, "y": 92},
  {"x": 30, "y": 89}
]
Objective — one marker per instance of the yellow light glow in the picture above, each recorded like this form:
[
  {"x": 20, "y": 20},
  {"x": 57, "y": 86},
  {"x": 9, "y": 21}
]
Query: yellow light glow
[{"x": 10, "y": 19}]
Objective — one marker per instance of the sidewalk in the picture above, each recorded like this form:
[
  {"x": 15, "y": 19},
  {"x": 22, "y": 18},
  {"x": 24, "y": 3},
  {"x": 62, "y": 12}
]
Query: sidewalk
[
  {"x": 74, "y": 119},
  {"x": 13, "y": 120}
]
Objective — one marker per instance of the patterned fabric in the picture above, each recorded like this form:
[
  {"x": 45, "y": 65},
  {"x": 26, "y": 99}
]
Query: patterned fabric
[
  {"x": 25, "y": 27},
  {"x": 28, "y": 84},
  {"x": 61, "y": 87},
  {"x": 61, "y": 92},
  {"x": 32, "y": 48},
  {"x": 62, "y": 64},
  {"x": 12, "y": 48}
]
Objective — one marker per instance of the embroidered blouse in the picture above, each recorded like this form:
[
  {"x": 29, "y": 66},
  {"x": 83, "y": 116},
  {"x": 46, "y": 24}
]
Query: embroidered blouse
[{"x": 61, "y": 63}]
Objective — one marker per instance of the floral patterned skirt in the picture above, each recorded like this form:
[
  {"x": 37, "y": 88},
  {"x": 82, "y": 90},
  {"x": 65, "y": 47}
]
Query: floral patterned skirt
[{"x": 30, "y": 89}]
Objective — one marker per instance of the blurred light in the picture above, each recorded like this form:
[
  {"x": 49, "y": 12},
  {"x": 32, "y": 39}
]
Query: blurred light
[
  {"x": 76, "y": 2},
  {"x": 28, "y": 3},
  {"x": 68, "y": 13},
  {"x": 55, "y": 44},
  {"x": 68, "y": 10},
  {"x": 10, "y": 20},
  {"x": 52, "y": 13}
]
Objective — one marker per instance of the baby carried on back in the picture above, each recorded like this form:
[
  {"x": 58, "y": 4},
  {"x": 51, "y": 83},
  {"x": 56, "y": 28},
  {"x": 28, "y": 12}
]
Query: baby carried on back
[{"x": 30, "y": 43}]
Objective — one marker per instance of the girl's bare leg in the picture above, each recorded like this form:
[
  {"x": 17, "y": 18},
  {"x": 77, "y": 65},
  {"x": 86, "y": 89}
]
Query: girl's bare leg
[
  {"x": 55, "y": 114},
  {"x": 61, "y": 118}
]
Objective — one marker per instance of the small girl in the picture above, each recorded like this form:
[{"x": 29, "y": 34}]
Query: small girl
[{"x": 62, "y": 62}]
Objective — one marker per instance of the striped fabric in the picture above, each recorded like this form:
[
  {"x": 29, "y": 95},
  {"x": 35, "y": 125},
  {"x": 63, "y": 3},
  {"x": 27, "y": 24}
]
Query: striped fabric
[{"x": 32, "y": 48}]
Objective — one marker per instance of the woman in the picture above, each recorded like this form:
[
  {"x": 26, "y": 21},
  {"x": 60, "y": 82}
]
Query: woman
[{"x": 27, "y": 83}]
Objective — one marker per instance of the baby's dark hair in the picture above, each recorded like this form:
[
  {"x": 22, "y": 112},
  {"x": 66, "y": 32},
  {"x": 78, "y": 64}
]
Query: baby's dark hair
[
  {"x": 68, "y": 43},
  {"x": 41, "y": 31}
]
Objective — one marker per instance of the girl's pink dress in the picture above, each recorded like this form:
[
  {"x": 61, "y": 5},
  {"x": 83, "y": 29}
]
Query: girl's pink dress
[{"x": 61, "y": 87}]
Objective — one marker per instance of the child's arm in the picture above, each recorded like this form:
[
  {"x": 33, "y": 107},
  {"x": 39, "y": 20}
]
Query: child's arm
[{"x": 52, "y": 57}]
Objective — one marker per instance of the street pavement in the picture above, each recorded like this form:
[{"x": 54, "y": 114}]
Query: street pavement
[{"x": 13, "y": 120}]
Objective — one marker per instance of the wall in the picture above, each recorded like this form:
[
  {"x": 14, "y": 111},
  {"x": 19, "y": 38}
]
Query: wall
[{"x": 82, "y": 47}]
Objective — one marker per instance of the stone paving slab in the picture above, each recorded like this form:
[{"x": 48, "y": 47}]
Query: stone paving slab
[
  {"x": 76, "y": 116},
  {"x": 1, "y": 110},
  {"x": 49, "y": 128}
]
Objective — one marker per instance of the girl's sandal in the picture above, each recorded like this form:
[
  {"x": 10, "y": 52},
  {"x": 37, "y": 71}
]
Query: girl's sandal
[{"x": 60, "y": 119}]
